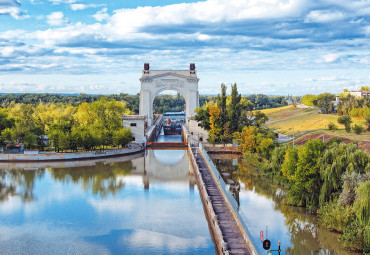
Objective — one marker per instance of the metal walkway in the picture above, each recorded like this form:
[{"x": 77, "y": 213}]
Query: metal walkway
[{"x": 231, "y": 233}]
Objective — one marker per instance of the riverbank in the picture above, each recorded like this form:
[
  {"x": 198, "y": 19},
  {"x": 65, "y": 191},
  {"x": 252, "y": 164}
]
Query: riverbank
[
  {"x": 263, "y": 203},
  {"x": 71, "y": 156}
]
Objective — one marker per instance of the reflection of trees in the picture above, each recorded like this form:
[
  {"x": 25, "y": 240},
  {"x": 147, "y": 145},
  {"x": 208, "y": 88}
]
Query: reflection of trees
[
  {"x": 101, "y": 178},
  {"x": 18, "y": 182},
  {"x": 306, "y": 235}
]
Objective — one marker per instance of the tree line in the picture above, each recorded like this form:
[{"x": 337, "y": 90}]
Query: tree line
[
  {"x": 86, "y": 126},
  {"x": 162, "y": 103},
  {"x": 331, "y": 179}
]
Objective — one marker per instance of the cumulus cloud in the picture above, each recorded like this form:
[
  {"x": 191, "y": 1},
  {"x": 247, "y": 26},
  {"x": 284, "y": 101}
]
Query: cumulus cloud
[{"x": 56, "y": 19}]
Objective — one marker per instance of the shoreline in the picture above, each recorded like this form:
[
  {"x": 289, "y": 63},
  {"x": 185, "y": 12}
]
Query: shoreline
[{"x": 54, "y": 157}]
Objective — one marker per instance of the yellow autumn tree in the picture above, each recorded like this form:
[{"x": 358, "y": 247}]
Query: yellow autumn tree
[{"x": 214, "y": 123}]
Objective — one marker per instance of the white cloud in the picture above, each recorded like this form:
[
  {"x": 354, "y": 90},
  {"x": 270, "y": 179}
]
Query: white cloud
[
  {"x": 56, "y": 19},
  {"x": 324, "y": 16},
  {"x": 101, "y": 15},
  {"x": 79, "y": 7},
  {"x": 329, "y": 58},
  {"x": 11, "y": 7},
  {"x": 63, "y": 1}
]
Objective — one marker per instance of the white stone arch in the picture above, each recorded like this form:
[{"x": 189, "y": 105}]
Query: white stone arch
[{"x": 153, "y": 82}]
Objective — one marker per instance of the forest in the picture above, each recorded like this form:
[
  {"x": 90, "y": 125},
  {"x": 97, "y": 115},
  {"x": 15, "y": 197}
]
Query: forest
[{"x": 87, "y": 126}]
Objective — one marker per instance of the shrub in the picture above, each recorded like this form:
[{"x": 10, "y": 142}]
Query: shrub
[
  {"x": 332, "y": 126},
  {"x": 353, "y": 236},
  {"x": 358, "y": 129},
  {"x": 335, "y": 216}
]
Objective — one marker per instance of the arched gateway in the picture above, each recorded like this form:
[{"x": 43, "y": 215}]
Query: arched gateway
[{"x": 155, "y": 81}]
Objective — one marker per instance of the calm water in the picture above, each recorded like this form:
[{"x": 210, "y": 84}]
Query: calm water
[
  {"x": 145, "y": 205},
  {"x": 262, "y": 203}
]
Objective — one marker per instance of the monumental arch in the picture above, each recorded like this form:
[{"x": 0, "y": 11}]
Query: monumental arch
[{"x": 154, "y": 82}]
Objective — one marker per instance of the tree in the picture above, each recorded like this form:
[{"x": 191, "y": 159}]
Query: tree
[
  {"x": 260, "y": 118},
  {"x": 324, "y": 102},
  {"x": 215, "y": 125},
  {"x": 262, "y": 101},
  {"x": 221, "y": 103},
  {"x": 306, "y": 183},
  {"x": 246, "y": 139},
  {"x": 309, "y": 100},
  {"x": 30, "y": 141},
  {"x": 226, "y": 137},
  {"x": 203, "y": 116},
  {"x": 365, "y": 88},
  {"x": 234, "y": 108},
  {"x": 122, "y": 137},
  {"x": 289, "y": 167},
  {"x": 346, "y": 121}
]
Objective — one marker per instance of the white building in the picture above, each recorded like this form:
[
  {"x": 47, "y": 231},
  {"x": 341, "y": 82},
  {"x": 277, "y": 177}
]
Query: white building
[{"x": 137, "y": 124}]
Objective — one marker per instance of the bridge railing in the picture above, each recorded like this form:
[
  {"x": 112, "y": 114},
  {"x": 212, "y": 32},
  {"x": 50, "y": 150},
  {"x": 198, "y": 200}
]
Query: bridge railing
[{"x": 232, "y": 201}]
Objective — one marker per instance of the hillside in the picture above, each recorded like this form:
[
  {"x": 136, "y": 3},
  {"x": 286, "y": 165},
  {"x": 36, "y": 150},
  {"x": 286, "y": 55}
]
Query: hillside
[{"x": 308, "y": 120}]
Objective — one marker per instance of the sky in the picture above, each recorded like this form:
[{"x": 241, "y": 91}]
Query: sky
[{"x": 274, "y": 47}]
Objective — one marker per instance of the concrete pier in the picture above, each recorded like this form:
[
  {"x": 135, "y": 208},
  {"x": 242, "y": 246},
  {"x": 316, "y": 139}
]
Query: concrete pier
[{"x": 228, "y": 236}]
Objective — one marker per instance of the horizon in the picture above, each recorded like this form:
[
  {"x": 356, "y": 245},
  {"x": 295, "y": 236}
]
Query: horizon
[{"x": 266, "y": 47}]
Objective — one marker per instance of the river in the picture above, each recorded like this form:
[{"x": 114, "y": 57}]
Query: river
[
  {"x": 146, "y": 205},
  {"x": 262, "y": 204}
]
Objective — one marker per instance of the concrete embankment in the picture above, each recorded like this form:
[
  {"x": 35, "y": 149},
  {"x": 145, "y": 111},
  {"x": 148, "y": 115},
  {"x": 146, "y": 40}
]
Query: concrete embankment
[
  {"x": 70, "y": 156},
  {"x": 228, "y": 233}
]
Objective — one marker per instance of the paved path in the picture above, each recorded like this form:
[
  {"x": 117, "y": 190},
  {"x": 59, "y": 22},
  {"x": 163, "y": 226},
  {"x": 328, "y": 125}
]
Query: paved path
[{"x": 229, "y": 228}]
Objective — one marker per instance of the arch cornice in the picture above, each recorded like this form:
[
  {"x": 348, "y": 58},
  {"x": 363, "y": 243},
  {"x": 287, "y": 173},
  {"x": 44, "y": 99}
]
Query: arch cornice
[{"x": 150, "y": 78}]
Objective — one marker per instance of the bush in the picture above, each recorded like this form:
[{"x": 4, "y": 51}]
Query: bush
[
  {"x": 358, "y": 129},
  {"x": 335, "y": 216},
  {"x": 353, "y": 236},
  {"x": 332, "y": 126}
]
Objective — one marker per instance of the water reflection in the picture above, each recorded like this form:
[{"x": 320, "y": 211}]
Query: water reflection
[
  {"x": 263, "y": 203},
  {"x": 147, "y": 205}
]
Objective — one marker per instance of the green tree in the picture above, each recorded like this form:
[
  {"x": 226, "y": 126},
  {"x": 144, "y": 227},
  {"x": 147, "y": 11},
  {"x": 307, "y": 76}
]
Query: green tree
[
  {"x": 30, "y": 141},
  {"x": 346, "y": 121},
  {"x": 221, "y": 103},
  {"x": 324, "y": 102},
  {"x": 122, "y": 137},
  {"x": 306, "y": 183},
  {"x": 234, "y": 108}
]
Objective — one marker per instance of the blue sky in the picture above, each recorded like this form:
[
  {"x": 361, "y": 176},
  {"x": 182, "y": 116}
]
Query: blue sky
[{"x": 274, "y": 47}]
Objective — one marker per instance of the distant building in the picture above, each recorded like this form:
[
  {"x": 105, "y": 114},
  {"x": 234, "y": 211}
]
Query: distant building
[
  {"x": 14, "y": 148},
  {"x": 360, "y": 94},
  {"x": 290, "y": 99},
  {"x": 335, "y": 103}
]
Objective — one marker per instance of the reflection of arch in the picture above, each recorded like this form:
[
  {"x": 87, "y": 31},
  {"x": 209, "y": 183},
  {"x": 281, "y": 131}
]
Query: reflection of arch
[
  {"x": 169, "y": 157},
  {"x": 185, "y": 82},
  {"x": 159, "y": 168},
  {"x": 156, "y": 168}
]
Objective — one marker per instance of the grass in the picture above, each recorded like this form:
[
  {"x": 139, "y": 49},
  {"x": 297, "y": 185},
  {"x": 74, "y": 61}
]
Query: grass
[{"x": 304, "y": 121}]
